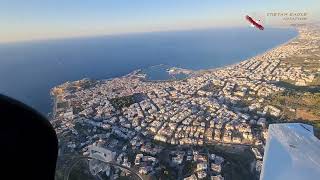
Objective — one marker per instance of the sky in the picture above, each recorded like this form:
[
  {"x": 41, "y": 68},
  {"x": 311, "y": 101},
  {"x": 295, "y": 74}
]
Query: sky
[{"x": 24, "y": 20}]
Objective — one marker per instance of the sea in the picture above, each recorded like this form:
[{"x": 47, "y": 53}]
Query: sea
[{"x": 28, "y": 70}]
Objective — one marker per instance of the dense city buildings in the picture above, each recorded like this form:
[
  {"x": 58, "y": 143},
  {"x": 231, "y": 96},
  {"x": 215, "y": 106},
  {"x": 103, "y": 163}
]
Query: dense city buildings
[{"x": 135, "y": 120}]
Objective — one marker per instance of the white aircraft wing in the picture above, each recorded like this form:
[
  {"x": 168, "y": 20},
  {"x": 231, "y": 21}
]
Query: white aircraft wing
[{"x": 292, "y": 152}]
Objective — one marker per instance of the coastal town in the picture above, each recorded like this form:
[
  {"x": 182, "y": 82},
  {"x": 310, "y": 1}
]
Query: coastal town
[{"x": 170, "y": 129}]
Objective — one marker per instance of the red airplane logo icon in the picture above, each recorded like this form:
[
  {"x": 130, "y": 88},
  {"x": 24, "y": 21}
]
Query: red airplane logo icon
[{"x": 254, "y": 22}]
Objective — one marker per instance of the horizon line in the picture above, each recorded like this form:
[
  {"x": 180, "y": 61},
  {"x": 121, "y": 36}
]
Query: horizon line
[{"x": 39, "y": 40}]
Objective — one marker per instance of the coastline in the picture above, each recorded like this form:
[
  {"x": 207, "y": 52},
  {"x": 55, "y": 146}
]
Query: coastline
[
  {"x": 193, "y": 72},
  {"x": 218, "y": 68},
  {"x": 260, "y": 54}
]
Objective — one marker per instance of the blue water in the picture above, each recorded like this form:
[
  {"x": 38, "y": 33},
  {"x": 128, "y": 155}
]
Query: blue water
[{"x": 29, "y": 70}]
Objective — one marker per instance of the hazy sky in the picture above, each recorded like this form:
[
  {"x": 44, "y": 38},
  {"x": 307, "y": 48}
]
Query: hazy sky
[{"x": 44, "y": 19}]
